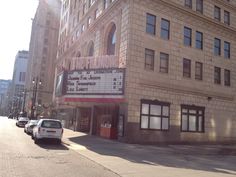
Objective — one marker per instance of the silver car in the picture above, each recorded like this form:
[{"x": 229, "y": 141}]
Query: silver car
[
  {"x": 22, "y": 121},
  {"x": 29, "y": 126}
]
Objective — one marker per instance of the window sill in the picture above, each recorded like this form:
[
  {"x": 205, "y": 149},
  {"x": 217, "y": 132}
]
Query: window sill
[
  {"x": 164, "y": 39},
  {"x": 149, "y": 129},
  {"x": 148, "y": 70},
  {"x": 182, "y": 131},
  {"x": 200, "y": 80},
  {"x": 199, "y": 49},
  {"x": 189, "y": 78}
]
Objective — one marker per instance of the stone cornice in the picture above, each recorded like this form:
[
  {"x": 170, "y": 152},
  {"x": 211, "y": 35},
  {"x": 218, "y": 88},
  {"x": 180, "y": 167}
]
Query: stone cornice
[
  {"x": 195, "y": 14},
  {"x": 225, "y": 4}
]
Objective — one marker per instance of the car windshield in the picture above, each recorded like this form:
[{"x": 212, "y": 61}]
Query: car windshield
[
  {"x": 23, "y": 119},
  {"x": 51, "y": 124}
]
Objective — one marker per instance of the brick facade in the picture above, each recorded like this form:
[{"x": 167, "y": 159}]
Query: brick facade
[{"x": 132, "y": 39}]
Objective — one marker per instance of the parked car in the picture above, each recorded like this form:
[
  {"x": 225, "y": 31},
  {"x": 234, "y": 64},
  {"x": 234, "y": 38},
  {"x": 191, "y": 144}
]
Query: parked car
[
  {"x": 22, "y": 121},
  {"x": 47, "y": 129},
  {"x": 29, "y": 126}
]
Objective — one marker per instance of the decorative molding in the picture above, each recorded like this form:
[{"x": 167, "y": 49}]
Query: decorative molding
[
  {"x": 226, "y": 4},
  {"x": 187, "y": 90}
]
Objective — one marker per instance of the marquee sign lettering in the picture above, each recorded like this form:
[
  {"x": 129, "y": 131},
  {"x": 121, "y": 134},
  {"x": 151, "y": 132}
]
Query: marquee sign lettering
[{"x": 95, "y": 82}]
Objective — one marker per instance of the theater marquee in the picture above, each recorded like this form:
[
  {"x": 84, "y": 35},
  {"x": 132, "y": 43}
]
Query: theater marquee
[{"x": 95, "y": 82}]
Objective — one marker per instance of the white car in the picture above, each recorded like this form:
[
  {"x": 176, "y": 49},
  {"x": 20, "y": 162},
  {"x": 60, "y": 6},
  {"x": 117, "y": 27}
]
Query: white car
[
  {"x": 47, "y": 129},
  {"x": 22, "y": 121}
]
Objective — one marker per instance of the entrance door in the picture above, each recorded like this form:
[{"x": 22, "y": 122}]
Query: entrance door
[
  {"x": 105, "y": 115},
  {"x": 84, "y": 120}
]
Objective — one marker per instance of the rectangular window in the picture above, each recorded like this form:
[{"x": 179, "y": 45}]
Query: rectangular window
[
  {"x": 151, "y": 24},
  {"x": 226, "y": 17},
  {"x": 186, "y": 68},
  {"x": 217, "y": 13},
  {"x": 89, "y": 21},
  {"x": 78, "y": 16},
  {"x": 164, "y": 62},
  {"x": 149, "y": 59},
  {"x": 45, "y": 41},
  {"x": 188, "y": 3},
  {"x": 82, "y": 28},
  {"x": 217, "y": 75},
  {"x": 45, "y": 51},
  {"x": 105, "y": 4},
  {"x": 96, "y": 13},
  {"x": 22, "y": 77},
  {"x": 155, "y": 115},
  {"x": 91, "y": 2},
  {"x": 47, "y": 22},
  {"x": 75, "y": 4},
  {"x": 226, "y": 49},
  {"x": 199, "y": 40},
  {"x": 187, "y": 36},
  {"x": 192, "y": 118},
  {"x": 198, "y": 70},
  {"x": 217, "y": 46},
  {"x": 199, "y": 6},
  {"x": 227, "y": 77},
  {"x": 84, "y": 7},
  {"x": 165, "y": 29}
]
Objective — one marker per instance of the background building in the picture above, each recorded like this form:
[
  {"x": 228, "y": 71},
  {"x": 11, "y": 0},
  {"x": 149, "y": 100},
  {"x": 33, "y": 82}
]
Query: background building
[
  {"x": 42, "y": 54},
  {"x": 179, "y": 79},
  {"x": 18, "y": 80},
  {"x": 4, "y": 86}
]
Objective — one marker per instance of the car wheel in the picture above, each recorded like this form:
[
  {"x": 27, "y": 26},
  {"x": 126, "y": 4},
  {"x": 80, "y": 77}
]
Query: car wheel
[
  {"x": 58, "y": 141},
  {"x": 24, "y": 131},
  {"x": 32, "y": 136},
  {"x": 36, "y": 140}
]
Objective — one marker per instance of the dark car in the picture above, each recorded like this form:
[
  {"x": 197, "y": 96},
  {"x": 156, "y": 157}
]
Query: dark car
[{"x": 10, "y": 116}]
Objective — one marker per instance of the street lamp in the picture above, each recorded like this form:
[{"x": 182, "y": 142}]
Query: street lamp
[
  {"x": 23, "y": 107},
  {"x": 36, "y": 81}
]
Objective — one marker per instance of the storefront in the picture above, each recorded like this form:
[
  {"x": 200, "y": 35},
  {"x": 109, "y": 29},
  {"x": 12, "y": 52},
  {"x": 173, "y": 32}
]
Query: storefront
[{"x": 94, "y": 97}]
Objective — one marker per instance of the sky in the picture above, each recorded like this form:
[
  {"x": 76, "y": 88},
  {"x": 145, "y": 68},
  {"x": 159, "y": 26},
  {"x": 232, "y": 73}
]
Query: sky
[{"x": 15, "y": 31}]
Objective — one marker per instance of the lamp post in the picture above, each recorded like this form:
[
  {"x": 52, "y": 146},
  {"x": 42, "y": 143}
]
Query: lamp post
[
  {"x": 19, "y": 102},
  {"x": 23, "y": 107},
  {"x": 36, "y": 81}
]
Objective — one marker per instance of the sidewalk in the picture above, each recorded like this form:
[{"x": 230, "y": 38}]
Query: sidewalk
[{"x": 131, "y": 160}]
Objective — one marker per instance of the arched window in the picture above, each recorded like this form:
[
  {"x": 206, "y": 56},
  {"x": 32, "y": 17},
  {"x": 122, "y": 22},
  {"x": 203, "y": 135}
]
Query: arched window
[
  {"x": 90, "y": 49},
  {"x": 111, "y": 41}
]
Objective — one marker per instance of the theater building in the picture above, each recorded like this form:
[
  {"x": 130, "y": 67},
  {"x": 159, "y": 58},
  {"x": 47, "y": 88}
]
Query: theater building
[{"x": 153, "y": 71}]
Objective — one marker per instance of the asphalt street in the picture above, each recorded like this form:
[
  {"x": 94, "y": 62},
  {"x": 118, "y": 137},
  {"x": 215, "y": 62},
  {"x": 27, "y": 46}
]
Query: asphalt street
[{"x": 20, "y": 157}]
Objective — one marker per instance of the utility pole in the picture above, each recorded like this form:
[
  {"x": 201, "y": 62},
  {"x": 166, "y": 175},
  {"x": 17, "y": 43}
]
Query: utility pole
[{"x": 23, "y": 108}]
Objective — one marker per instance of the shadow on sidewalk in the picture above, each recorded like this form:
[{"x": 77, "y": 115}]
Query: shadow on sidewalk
[
  {"x": 51, "y": 145},
  {"x": 205, "y": 158}
]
